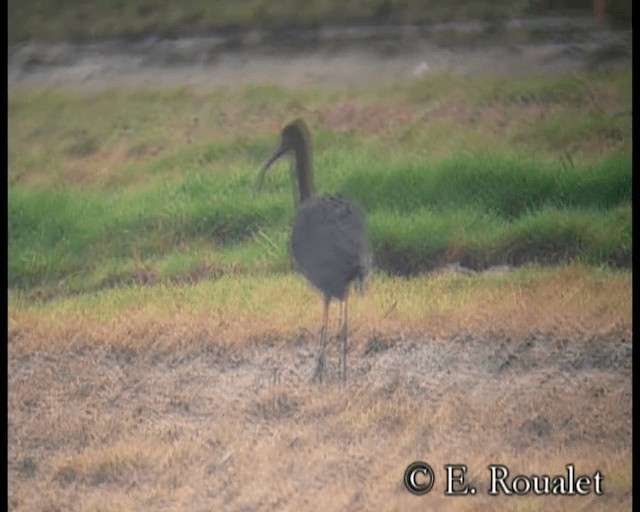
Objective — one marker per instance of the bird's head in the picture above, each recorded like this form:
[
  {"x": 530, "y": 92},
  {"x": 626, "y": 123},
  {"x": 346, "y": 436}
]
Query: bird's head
[{"x": 293, "y": 138}]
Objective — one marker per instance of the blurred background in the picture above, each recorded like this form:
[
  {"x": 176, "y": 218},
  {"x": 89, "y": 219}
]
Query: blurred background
[
  {"x": 78, "y": 20},
  {"x": 297, "y": 42}
]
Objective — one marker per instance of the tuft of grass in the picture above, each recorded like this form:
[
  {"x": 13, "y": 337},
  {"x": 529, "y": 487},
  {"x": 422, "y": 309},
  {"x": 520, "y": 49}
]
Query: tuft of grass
[{"x": 506, "y": 185}]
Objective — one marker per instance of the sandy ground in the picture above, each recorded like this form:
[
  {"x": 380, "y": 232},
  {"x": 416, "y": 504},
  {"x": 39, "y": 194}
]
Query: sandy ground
[{"x": 212, "y": 428}]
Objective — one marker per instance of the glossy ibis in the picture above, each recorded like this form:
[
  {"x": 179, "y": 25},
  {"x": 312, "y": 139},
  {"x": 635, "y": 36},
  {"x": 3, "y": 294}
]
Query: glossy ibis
[{"x": 329, "y": 240}]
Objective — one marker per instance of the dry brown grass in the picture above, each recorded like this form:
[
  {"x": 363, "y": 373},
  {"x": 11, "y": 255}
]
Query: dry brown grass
[
  {"x": 130, "y": 134},
  {"x": 198, "y": 398},
  {"x": 242, "y": 309}
]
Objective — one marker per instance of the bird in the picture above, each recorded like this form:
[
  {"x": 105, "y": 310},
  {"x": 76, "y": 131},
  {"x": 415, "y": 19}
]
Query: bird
[{"x": 329, "y": 239}]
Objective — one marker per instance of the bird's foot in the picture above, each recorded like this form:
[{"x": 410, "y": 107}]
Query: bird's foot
[{"x": 320, "y": 368}]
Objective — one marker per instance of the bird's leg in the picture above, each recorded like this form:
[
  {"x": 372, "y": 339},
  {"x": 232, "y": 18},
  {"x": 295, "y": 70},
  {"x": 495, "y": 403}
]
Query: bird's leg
[
  {"x": 323, "y": 342},
  {"x": 343, "y": 335},
  {"x": 339, "y": 325}
]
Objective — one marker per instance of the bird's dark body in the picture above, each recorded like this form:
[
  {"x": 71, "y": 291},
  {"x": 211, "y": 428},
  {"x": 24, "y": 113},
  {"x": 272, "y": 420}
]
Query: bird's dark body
[{"x": 329, "y": 244}]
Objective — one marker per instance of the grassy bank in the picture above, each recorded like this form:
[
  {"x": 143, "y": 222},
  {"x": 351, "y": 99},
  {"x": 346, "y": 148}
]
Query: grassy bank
[
  {"x": 479, "y": 211},
  {"x": 157, "y": 186}
]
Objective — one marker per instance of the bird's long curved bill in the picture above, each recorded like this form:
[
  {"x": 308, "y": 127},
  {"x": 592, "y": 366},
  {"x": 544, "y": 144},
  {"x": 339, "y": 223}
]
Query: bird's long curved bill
[{"x": 277, "y": 154}]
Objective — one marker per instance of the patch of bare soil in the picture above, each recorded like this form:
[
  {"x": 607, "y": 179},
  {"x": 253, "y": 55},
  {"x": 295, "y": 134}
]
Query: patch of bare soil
[{"x": 216, "y": 428}]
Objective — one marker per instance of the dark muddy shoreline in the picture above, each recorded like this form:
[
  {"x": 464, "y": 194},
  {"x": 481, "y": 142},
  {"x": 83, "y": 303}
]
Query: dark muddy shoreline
[{"x": 331, "y": 56}]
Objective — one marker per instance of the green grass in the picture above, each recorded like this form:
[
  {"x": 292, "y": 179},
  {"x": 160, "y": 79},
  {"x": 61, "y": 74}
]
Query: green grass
[
  {"x": 158, "y": 186},
  {"x": 583, "y": 213}
]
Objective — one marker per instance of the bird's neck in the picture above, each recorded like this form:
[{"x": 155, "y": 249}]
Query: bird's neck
[{"x": 304, "y": 172}]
